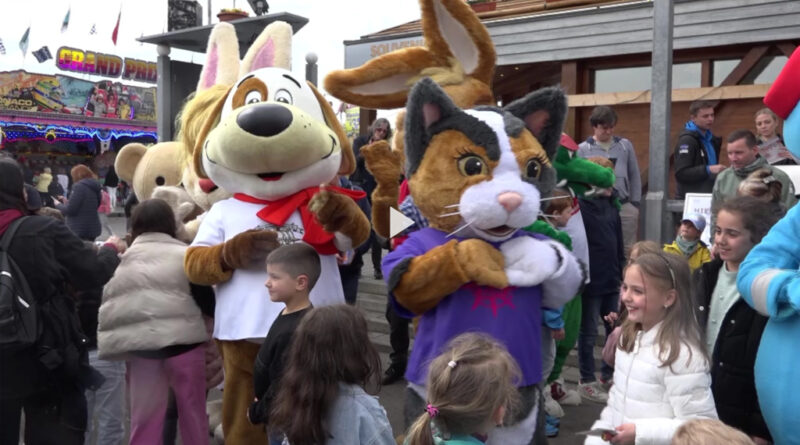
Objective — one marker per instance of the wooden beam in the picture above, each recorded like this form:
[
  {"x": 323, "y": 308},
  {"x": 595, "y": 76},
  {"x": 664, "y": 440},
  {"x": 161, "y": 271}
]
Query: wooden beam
[
  {"x": 678, "y": 95},
  {"x": 747, "y": 63},
  {"x": 707, "y": 73},
  {"x": 787, "y": 48},
  {"x": 569, "y": 81}
]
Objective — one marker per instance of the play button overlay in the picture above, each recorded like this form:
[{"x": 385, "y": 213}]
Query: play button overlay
[{"x": 398, "y": 222}]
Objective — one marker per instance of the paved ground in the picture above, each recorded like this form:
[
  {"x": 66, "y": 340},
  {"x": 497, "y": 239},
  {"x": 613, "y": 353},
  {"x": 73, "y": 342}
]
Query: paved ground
[{"x": 391, "y": 397}]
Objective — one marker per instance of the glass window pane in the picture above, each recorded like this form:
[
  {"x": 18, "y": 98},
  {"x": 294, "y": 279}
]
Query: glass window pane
[
  {"x": 684, "y": 75},
  {"x": 772, "y": 70},
  {"x": 722, "y": 68},
  {"x": 622, "y": 79}
]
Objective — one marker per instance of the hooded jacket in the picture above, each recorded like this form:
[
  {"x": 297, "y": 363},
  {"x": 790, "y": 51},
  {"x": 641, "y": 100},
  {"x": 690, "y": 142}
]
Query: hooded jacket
[
  {"x": 691, "y": 162},
  {"x": 81, "y": 209}
]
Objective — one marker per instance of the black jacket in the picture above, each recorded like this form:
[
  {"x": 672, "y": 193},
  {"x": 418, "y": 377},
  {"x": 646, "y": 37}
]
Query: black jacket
[
  {"x": 81, "y": 209},
  {"x": 734, "y": 356},
  {"x": 691, "y": 160},
  {"x": 54, "y": 261},
  {"x": 606, "y": 253},
  {"x": 362, "y": 177}
]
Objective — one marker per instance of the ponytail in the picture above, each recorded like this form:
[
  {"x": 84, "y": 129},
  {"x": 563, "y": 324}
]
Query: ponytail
[{"x": 420, "y": 432}]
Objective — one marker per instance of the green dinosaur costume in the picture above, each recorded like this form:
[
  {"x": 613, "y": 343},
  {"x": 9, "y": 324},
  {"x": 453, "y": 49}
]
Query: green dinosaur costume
[{"x": 584, "y": 178}]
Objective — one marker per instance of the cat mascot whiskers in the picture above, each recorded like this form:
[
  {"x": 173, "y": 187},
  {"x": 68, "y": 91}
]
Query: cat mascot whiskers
[{"x": 478, "y": 177}]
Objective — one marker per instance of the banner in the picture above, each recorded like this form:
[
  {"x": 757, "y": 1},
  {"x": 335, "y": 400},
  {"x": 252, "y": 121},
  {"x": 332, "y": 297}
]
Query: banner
[
  {"x": 20, "y": 90},
  {"x": 699, "y": 203},
  {"x": 351, "y": 121}
]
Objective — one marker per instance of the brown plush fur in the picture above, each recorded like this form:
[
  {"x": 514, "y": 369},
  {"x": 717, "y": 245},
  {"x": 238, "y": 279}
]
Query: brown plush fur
[
  {"x": 443, "y": 269},
  {"x": 437, "y": 184},
  {"x": 203, "y": 265},
  {"x": 339, "y": 213},
  {"x": 386, "y": 166},
  {"x": 248, "y": 248},
  {"x": 348, "y": 158}
]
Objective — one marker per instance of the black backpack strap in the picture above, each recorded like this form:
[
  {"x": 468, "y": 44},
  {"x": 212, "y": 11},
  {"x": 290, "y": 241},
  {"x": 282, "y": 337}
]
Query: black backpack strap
[{"x": 5, "y": 241}]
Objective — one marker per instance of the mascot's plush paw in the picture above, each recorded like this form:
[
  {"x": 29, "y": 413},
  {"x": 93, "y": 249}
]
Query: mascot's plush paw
[
  {"x": 529, "y": 261},
  {"x": 333, "y": 210},
  {"x": 384, "y": 164},
  {"x": 482, "y": 263},
  {"x": 182, "y": 206},
  {"x": 248, "y": 248}
]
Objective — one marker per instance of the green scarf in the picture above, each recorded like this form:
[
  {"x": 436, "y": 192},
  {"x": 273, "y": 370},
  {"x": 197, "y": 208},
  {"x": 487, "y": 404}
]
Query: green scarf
[{"x": 687, "y": 247}]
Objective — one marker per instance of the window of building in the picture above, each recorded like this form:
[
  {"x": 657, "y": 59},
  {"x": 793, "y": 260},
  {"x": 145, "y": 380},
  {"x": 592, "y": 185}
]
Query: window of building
[{"x": 684, "y": 75}]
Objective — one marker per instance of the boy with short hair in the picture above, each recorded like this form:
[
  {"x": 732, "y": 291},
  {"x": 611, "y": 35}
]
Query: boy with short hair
[
  {"x": 292, "y": 271},
  {"x": 688, "y": 244}
]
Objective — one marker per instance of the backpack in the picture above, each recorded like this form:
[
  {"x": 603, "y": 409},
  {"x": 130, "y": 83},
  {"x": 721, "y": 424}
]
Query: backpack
[{"x": 19, "y": 316}]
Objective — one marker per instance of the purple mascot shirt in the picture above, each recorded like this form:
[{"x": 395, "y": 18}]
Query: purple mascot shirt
[{"x": 512, "y": 315}]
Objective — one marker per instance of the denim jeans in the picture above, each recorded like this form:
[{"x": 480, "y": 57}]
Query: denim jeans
[
  {"x": 594, "y": 307},
  {"x": 107, "y": 403}
]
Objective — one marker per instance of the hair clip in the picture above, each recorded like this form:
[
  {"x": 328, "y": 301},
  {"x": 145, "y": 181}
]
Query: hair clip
[
  {"x": 452, "y": 363},
  {"x": 768, "y": 179},
  {"x": 432, "y": 410}
]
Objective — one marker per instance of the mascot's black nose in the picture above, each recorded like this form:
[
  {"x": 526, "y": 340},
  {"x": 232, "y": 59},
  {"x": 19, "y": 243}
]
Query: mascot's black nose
[{"x": 264, "y": 119}]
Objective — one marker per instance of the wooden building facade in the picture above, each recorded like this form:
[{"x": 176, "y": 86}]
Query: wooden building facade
[{"x": 600, "y": 52}]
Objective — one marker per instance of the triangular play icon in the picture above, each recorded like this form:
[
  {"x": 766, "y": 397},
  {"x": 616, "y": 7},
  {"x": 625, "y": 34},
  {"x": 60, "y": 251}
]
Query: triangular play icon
[{"x": 398, "y": 222}]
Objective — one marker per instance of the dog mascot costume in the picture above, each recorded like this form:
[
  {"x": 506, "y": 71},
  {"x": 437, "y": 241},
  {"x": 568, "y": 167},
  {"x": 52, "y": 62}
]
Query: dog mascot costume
[
  {"x": 272, "y": 141},
  {"x": 769, "y": 280}
]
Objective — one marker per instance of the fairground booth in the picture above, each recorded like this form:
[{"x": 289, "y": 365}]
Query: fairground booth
[{"x": 59, "y": 120}]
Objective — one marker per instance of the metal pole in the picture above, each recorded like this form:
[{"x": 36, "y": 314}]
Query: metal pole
[
  {"x": 658, "y": 222},
  {"x": 163, "y": 101},
  {"x": 311, "y": 68}
]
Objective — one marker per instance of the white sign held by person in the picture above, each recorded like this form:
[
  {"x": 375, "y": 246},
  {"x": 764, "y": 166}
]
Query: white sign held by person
[{"x": 699, "y": 203}]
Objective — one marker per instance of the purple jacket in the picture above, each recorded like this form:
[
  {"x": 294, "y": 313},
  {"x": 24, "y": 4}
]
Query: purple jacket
[{"x": 512, "y": 315}]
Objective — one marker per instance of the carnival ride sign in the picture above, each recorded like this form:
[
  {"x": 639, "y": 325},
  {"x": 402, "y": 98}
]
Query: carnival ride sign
[
  {"x": 20, "y": 90},
  {"x": 107, "y": 65}
]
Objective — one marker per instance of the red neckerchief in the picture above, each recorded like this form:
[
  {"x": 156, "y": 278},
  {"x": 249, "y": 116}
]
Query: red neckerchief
[{"x": 278, "y": 212}]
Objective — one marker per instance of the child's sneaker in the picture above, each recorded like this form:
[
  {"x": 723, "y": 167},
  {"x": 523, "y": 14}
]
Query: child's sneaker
[
  {"x": 593, "y": 391},
  {"x": 551, "y": 407},
  {"x": 606, "y": 384},
  {"x": 551, "y": 425},
  {"x": 564, "y": 396}
]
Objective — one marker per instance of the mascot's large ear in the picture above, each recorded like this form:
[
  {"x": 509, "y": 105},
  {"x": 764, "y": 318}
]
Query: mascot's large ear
[
  {"x": 427, "y": 105},
  {"x": 348, "y": 164},
  {"x": 543, "y": 112},
  {"x": 458, "y": 51},
  {"x": 127, "y": 159},
  {"x": 222, "y": 58},
  {"x": 272, "y": 48}
]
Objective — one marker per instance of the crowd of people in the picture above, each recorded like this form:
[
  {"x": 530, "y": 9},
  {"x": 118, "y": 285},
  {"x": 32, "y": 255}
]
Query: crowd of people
[{"x": 121, "y": 317}]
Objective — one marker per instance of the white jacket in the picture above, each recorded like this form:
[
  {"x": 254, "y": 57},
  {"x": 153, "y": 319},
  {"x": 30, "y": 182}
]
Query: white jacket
[
  {"x": 656, "y": 399},
  {"x": 147, "y": 304}
]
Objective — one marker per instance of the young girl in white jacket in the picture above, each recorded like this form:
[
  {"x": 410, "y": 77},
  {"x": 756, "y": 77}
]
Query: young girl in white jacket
[{"x": 661, "y": 371}]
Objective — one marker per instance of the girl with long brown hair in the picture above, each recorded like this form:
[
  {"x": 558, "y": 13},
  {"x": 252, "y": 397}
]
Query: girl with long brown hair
[
  {"x": 661, "y": 371},
  {"x": 321, "y": 398},
  {"x": 471, "y": 386}
]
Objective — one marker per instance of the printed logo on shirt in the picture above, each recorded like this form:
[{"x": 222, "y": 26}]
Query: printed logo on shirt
[
  {"x": 287, "y": 234},
  {"x": 683, "y": 149}
]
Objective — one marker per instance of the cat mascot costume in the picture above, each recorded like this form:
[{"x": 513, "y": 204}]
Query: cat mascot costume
[
  {"x": 477, "y": 177},
  {"x": 273, "y": 142},
  {"x": 769, "y": 280}
]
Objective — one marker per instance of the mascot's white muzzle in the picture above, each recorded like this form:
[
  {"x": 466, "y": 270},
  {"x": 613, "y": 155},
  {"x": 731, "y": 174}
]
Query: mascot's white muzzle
[{"x": 254, "y": 139}]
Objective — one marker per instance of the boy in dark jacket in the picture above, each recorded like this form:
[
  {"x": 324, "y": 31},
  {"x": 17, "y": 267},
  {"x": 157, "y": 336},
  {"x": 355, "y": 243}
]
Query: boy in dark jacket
[
  {"x": 697, "y": 152},
  {"x": 606, "y": 259},
  {"x": 292, "y": 271}
]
